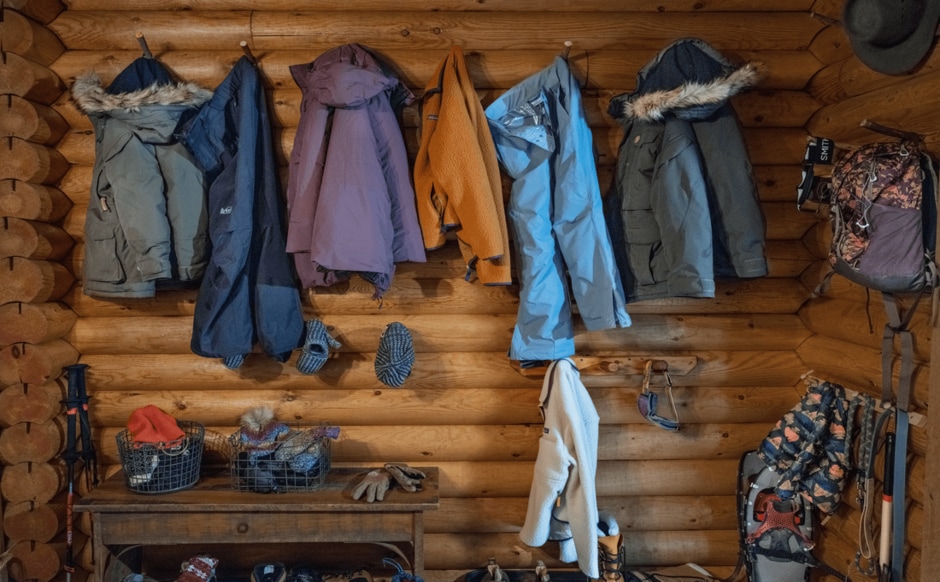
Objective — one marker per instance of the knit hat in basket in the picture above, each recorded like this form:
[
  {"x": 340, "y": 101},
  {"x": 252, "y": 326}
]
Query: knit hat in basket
[{"x": 149, "y": 424}]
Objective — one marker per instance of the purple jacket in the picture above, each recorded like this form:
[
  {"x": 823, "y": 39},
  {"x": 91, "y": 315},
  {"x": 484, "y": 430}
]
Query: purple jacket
[{"x": 351, "y": 205}]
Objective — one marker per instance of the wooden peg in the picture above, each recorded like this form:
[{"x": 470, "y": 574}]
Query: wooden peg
[
  {"x": 567, "y": 50},
  {"x": 892, "y": 132},
  {"x": 143, "y": 45},
  {"x": 248, "y": 53}
]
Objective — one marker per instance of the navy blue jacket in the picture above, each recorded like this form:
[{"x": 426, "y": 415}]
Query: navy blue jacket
[{"x": 248, "y": 293}]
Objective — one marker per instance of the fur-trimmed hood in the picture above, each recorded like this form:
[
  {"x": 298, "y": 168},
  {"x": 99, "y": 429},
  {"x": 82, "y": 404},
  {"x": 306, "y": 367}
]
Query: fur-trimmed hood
[
  {"x": 689, "y": 79},
  {"x": 93, "y": 99}
]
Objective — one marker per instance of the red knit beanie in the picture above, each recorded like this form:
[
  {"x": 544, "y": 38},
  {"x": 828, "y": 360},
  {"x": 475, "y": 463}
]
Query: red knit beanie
[{"x": 149, "y": 424}]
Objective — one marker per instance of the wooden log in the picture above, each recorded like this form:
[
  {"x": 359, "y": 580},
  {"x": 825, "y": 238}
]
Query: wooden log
[
  {"x": 31, "y": 121},
  {"x": 44, "y": 11},
  {"x": 32, "y": 201},
  {"x": 97, "y": 30},
  {"x": 826, "y": 87},
  {"x": 787, "y": 259},
  {"x": 36, "y": 482},
  {"x": 34, "y": 561},
  {"x": 506, "y": 514},
  {"x": 360, "y": 333},
  {"x": 429, "y": 296},
  {"x": 33, "y": 239},
  {"x": 783, "y": 109},
  {"x": 34, "y": 323},
  {"x": 33, "y": 403},
  {"x": 31, "y": 442},
  {"x": 29, "y": 80},
  {"x": 31, "y": 521},
  {"x": 462, "y": 551},
  {"x": 826, "y": 357},
  {"x": 496, "y": 69},
  {"x": 29, "y": 39},
  {"x": 33, "y": 281},
  {"x": 908, "y": 104},
  {"x": 461, "y": 5},
  {"x": 500, "y": 30},
  {"x": 848, "y": 321},
  {"x": 513, "y": 442},
  {"x": 35, "y": 363},
  {"x": 415, "y": 296},
  {"x": 188, "y": 372},
  {"x": 856, "y": 78},
  {"x": 831, "y": 45},
  {"x": 428, "y": 30},
  {"x": 458, "y": 405},
  {"x": 29, "y": 162}
]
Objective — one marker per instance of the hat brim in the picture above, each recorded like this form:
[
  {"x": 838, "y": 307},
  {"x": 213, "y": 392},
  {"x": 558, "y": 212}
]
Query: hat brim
[{"x": 904, "y": 56}]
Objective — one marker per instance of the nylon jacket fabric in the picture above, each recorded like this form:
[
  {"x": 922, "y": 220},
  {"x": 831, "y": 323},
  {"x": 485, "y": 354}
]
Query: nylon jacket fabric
[
  {"x": 457, "y": 181},
  {"x": 544, "y": 144},
  {"x": 248, "y": 293},
  {"x": 351, "y": 205},
  {"x": 146, "y": 219},
  {"x": 684, "y": 207},
  {"x": 563, "y": 498}
]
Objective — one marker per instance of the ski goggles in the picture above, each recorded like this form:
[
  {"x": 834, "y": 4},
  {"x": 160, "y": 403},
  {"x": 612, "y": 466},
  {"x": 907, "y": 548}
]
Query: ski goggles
[{"x": 648, "y": 400}]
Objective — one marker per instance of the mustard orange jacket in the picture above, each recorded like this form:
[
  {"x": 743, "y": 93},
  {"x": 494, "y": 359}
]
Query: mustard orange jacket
[{"x": 456, "y": 174}]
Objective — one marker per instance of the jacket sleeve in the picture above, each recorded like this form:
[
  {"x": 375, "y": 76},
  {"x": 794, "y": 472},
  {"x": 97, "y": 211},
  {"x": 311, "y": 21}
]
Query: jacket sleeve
[{"x": 138, "y": 196}]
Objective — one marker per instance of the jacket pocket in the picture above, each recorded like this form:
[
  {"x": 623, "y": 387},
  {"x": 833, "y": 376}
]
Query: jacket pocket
[
  {"x": 102, "y": 259},
  {"x": 643, "y": 241}
]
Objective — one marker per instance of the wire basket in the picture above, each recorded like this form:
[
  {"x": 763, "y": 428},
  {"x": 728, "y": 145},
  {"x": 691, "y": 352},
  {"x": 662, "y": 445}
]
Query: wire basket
[
  {"x": 299, "y": 462},
  {"x": 160, "y": 467}
]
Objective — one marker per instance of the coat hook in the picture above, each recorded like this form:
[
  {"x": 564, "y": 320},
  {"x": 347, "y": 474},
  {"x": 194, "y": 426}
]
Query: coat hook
[
  {"x": 568, "y": 44},
  {"x": 248, "y": 53},
  {"x": 143, "y": 45}
]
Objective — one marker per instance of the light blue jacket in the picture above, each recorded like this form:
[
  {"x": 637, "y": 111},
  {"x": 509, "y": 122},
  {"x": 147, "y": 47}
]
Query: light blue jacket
[{"x": 544, "y": 144}]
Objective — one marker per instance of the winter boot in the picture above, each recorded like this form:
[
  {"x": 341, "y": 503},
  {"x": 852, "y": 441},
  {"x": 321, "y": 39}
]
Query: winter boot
[{"x": 610, "y": 554}]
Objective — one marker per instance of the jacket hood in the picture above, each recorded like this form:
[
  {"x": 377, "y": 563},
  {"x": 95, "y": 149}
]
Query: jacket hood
[
  {"x": 348, "y": 76},
  {"x": 688, "y": 79},
  {"x": 92, "y": 98}
]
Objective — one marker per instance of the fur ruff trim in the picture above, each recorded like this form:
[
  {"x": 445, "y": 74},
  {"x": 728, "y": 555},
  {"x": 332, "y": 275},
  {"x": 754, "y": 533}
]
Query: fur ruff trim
[
  {"x": 92, "y": 98},
  {"x": 653, "y": 106}
]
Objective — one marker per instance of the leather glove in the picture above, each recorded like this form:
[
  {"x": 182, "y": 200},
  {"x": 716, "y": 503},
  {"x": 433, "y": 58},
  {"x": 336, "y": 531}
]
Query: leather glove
[
  {"x": 374, "y": 485},
  {"x": 408, "y": 477}
]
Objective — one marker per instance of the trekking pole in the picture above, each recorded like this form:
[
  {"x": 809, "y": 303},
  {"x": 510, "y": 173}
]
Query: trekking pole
[
  {"x": 70, "y": 456},
  {"x": 76, "y": 404},
  {"x": 887, "y": 497}
]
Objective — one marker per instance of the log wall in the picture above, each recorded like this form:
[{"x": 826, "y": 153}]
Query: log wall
[
  {"x": 34, "y": 248},
  {"x": 737, "y": 359}
]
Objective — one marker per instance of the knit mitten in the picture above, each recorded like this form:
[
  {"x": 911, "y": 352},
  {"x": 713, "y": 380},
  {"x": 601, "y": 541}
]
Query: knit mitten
[{"x": 316, "y": 348}]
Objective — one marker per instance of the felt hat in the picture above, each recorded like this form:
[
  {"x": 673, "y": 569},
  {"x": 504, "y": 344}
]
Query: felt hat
[
  {"x": 891, "y": 36},
  {"x": 149, "y": 424}
]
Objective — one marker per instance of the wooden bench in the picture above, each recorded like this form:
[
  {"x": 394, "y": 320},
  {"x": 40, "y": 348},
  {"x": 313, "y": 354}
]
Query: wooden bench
[{"x": 211, "y": 512}]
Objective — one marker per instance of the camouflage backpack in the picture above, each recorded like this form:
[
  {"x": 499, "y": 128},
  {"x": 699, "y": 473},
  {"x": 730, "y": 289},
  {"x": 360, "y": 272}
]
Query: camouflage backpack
[{"x": 883, "y": 212}]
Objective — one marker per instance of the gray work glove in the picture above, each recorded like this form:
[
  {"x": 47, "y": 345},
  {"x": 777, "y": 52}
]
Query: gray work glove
[
  {"x": 374, "y": 485},
  {"x": 408, "y": 477}
]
